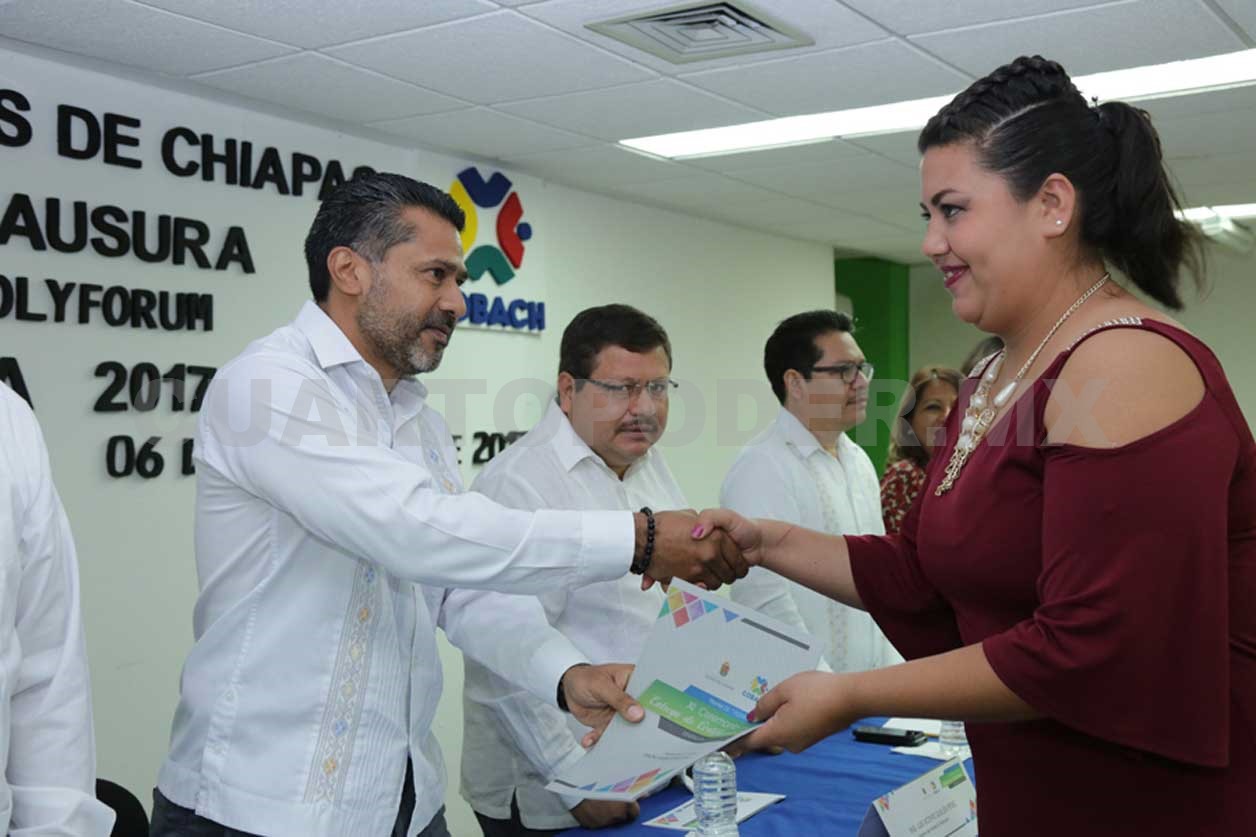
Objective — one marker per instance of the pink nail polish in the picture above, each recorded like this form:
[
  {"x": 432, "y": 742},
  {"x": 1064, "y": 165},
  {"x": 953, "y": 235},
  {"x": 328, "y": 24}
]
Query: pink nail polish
[
  {"x": 698, "y": 531},
  {"x": 750, "y": 716}
]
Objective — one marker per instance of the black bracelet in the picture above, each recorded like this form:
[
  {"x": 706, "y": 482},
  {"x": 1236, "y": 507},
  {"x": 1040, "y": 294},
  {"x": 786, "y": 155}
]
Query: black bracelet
[{"x": 641, "y": 566}]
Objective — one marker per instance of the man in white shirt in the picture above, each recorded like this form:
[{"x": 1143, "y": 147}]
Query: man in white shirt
[
  {"x": 47, "y": 746},
  {"x": 805, "y": 470},
  {"x": 330, "y": 531},
  {"x": 593, "y": 449}
]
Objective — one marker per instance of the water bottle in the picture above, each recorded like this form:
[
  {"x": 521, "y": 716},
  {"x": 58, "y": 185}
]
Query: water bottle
[
  {"x": 715, "y": 795},
  {"x": 952, "y": 740}
]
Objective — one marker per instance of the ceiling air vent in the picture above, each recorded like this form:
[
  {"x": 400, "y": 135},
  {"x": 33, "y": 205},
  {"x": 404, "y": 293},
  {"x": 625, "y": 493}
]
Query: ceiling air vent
[{"x": 702, "y": 31}]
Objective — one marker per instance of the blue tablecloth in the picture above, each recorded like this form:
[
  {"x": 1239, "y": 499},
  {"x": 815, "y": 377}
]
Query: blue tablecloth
[{"x": 827, "y": 789}]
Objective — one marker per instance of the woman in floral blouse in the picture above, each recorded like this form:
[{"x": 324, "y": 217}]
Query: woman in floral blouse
[{"x": 924, "y": 409}]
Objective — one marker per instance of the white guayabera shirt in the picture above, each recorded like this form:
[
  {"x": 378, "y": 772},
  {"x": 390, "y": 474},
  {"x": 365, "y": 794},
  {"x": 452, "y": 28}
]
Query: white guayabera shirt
[
  {"x": 785, "y": 474},
  {"x": 330, "y": 532},
  {"x": 47, "y": 749},
  {"x": 513, "y": 743}
]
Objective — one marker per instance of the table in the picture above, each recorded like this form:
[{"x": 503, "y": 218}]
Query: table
[{"x": 828, "y": 789}]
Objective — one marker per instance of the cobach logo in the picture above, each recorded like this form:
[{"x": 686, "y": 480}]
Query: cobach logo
[{"x": 475, "y": 195}]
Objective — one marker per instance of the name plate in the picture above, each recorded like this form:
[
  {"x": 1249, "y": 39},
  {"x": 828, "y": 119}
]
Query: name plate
[{"x": 941, "y": 803}]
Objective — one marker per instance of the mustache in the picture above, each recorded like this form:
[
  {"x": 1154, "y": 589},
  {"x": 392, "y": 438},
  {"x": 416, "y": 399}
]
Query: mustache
[
  {"x": 440, "y": 319},
  {"x": 643, "y": 425}
]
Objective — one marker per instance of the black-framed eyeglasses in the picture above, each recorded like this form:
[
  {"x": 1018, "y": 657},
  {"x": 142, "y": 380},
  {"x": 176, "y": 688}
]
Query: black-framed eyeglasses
[
  {"x": 848, "y": 371},
  {"x": 658, "y": 389}
]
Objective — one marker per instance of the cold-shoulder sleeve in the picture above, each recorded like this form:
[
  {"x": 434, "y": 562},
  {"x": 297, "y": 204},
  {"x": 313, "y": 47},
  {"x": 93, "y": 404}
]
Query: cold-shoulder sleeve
[
  {"x": 894, "y": 590},
  {"x": 1130, "y": 640}
]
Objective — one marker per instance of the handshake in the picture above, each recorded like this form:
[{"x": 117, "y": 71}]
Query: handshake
[{"x": 713, "y": 548}]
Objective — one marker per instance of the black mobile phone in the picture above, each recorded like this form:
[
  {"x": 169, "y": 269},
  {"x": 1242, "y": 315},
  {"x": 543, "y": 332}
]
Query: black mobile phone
[{"x": 890, "y": 735}]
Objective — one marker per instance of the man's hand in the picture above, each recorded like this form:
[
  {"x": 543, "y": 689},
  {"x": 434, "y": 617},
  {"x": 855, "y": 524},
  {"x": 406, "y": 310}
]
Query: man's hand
[
  {"x": 806, "y": 708},
  {"x": 599, "y": 813},
  {"x": 596, "y": 693},
  {"x": 710, "y": 561}
]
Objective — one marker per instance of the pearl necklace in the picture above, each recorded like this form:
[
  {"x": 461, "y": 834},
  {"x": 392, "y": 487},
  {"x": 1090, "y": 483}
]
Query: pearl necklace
[{"x": 982, "y": 410}]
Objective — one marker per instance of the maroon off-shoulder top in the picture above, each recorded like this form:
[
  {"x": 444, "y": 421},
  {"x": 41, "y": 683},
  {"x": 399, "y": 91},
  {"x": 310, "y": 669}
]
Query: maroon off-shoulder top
[{"x": 1113, "y": 590}]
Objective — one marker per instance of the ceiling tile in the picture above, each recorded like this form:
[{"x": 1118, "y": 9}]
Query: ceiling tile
[
  {"x": 1234, "y": 190},
  {"x": 871, "y": 74},
  {"x": 1228, "y": 132},
  {"x": 126, "y": 33},
  {"x": 836, "y": 226},
  {"x": 633, "y": 110},
  {"x": 1216, "y": 101},
  {"x": 1109, "y": 37},
  {"x": 329, "y": 87},
  {"x": 1192, "y": 172},
  {"x": 827, "y": 23},
  {"x": 318, "y": 23},
  {"x": 823, "y": 182},
  {"x": 596, "y": 168},
  {"x": 1242, "y": 12},
  {"x": 694, "y": 191},
  {"x": 789, "y": 155},
  {"x": 900, "y": 147},
  {"x": 897, "y": 205},
  {"x": 763, "y": 210},
  {"x": 851, "y": 227},
  {"x": 494, "y": 58},
  {"x": 910, "y": 17},
  {"x": 482, "y": 132}
]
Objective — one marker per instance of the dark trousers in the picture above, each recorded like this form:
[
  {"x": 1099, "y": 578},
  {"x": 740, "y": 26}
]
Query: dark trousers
[
  {"x": 170, "y": 820},
  {"x": 512, "y": 827}
]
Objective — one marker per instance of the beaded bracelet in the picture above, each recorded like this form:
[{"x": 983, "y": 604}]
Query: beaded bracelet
[{"x": 640, "y": 566}]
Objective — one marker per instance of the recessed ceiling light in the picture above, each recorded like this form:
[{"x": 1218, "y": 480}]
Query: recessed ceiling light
[{"x": 1177, "y": 78}]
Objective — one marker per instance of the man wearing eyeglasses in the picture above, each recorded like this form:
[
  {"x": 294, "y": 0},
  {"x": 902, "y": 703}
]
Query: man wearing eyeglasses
[
  {"x": 593, "y": 450},
  {"x": 805, "y": 469}
]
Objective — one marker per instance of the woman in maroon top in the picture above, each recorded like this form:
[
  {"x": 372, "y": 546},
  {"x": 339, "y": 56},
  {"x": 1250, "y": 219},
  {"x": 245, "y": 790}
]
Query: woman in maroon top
[
  {"x": 1078, "y": 578},
  {"x": 927, "y": 403}
]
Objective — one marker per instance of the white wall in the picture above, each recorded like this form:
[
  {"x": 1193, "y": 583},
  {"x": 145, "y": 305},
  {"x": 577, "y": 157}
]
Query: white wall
[
  {"x": 719, "y": 290},
  {"x": 938, "y": 338},
  {"x": 1223, "y": 318}
]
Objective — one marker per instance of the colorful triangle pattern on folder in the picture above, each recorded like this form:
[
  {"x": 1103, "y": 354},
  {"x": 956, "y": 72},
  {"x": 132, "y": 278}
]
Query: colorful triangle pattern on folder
[{"x": 684, "y": 608}]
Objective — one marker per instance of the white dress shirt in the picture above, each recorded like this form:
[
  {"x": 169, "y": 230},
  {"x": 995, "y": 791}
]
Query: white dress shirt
[
  {"x": 47, "y": 749},
  {"x": 512, "y": 742},
  {"x": 321, "y": 500},
  {"x": 785, "y": 474}
]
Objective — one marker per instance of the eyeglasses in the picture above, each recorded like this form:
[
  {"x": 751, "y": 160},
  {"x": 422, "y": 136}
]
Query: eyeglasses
[
  {"x": 626, "y": 391},
  {"x": 847, "y": 371}
]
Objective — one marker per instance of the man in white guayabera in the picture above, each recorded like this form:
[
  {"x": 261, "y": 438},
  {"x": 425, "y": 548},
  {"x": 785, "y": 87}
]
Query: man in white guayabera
[
  {"x": 47, "y": 749},
  {"x": 804, "y": 469},
  {"x": 332, "y": 533},
  {"x": 594, "y": 449}
]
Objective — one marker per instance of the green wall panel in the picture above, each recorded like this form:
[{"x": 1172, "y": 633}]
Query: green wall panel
[{"x": 878, "y": 291}]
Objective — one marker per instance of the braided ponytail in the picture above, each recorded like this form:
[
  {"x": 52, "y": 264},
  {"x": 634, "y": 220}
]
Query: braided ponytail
[{"x": 1027, "y": 120}]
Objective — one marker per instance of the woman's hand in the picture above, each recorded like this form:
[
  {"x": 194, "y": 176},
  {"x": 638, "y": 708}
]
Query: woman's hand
[
  {"x": 801, "y": 711},
  {"x": 754, "y": 538}
]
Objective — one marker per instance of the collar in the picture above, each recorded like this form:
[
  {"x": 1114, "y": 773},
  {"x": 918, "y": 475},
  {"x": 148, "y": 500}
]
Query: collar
[
  {"x": 572, "y": 450},
  {"x": 332, "y": 348},
  {"x": 331, "y": 345},
  {"x": 796, "y": 434}
]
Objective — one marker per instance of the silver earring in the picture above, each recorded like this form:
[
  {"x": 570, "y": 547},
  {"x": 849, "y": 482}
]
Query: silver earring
[{"x": 1059, "y": 222}]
